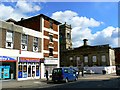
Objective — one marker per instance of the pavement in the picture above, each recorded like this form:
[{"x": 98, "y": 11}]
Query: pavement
[{"x": 43, "y": 82}]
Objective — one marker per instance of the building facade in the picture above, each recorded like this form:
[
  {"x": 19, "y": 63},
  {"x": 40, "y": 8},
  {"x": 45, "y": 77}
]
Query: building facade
[
  {"x": 50, "y": 38},
  {"x": 95, "y": 58},
  {"x": 20, "y": 52},
  {"x": 28, "y": 47}
]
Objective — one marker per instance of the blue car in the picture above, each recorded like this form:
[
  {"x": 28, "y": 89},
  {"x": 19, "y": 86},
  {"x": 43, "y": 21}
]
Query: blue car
[{"x": 64, "y": 74}]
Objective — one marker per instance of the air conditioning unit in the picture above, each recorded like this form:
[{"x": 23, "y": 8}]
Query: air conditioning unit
[
  {"x": 9, "y": 45},
  {"x": 35, "y": 48},
  {"x": 23, "y": 47}
]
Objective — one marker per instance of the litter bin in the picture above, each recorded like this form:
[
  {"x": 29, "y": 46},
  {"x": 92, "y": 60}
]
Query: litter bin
[{"x": 104, "y": 72}]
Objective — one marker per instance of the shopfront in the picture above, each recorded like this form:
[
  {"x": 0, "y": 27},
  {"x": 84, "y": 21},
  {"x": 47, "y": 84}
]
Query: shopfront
[
  {"x": 28, "y": 68},
  {"x": 7, "y": 67},
  {"x": 50, "y": 64}
]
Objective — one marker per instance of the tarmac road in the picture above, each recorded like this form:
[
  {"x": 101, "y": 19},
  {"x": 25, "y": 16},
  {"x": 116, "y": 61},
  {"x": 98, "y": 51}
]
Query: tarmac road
[{"x": 88, "y": 81}]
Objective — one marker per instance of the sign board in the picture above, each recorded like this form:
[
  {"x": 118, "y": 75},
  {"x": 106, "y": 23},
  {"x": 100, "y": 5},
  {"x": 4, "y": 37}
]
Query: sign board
[
  {"x": 51, "y": 62},
  {"x": 26, "y": 59},
  {"x": 7, "y": 58}
]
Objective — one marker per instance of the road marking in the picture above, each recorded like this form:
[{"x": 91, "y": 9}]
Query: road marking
[{"x": 37, "y": 82}]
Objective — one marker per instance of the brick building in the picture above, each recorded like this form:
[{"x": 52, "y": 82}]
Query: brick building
[
  {"x": 50, "y": 41},
  {"x": 95, "y": 58},
  {"x": 29, "y": 47}
]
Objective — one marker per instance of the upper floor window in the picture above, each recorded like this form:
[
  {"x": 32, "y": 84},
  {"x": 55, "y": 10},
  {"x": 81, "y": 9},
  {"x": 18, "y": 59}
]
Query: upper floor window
[
  {"x": 50, "y": 52},
  {"x": 94, "y": 59},
  {"x": 9, "y": 39},
  {"x": 103, "y": 58},
  {"x": 68, "y": 36},
  {"x": 51, "y": 24},
  {"x": 24, "y": 41},
  {"x": 51, "y": 38},
  {"x": 85, "y": 58},
  {"x": 35, "y": 44}
]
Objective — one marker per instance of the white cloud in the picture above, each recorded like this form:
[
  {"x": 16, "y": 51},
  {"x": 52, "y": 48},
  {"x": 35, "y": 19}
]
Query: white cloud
[
  {"x": 26, "y": 7},
  {"x": 19, "y": 10},
  {"x": 73, "y": 19},
  {"x": 81, "y": 29},
  {"x": 5, "y": 11}
]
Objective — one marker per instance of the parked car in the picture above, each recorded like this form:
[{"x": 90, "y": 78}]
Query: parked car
[{"x": 64, "y": 74}]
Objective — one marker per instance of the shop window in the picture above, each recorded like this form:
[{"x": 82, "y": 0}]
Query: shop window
[
  {"x": 24, "y": 71},
  {"x": 35, "y": 44},
  {"x": 37, "y": 70},
  {"x": 9, "y": 39},
  {"x": 29, "y": 71},
  {"x": 20, "y": 71}
]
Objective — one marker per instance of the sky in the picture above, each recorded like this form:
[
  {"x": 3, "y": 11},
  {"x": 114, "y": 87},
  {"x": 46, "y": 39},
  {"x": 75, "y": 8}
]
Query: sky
[{"x": 95, "y": 21}]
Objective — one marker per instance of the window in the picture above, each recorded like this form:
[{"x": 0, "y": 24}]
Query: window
[
  {"x": 85, "y": 58},
  {"x": 9, "y": 39},
  {"x": 35, "y": 44},
  {"x": 68, "y": 36},
  {"x": 51, "y": 38},
  {"x": 24, "y": 42},
  {"x": 94, "y": 59},
  {"x": 103, "y": 58},
  {"x": 50, "y": 52},
  {"x": 51, "y": 24}
]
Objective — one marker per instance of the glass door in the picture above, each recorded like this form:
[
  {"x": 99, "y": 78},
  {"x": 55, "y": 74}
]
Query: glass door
[{"x": 33, "y": 71}]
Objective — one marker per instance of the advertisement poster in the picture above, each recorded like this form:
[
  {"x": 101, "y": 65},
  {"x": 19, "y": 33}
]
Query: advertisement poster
[
  {"x": 37, "y": 72},
  {"x": 6, "y": 72},
  {"x": 19, "y": 74},
  {"x": 24, "y": 74}
]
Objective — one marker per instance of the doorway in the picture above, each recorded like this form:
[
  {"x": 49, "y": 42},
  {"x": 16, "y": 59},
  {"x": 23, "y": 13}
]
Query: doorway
[{"x": 33, "y": 71}]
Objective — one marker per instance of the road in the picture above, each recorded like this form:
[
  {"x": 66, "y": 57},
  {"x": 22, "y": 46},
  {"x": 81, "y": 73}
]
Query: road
[{"x": 89, "y": 81}]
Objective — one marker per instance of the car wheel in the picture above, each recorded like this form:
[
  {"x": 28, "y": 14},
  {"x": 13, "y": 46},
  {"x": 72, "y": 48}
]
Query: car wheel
[{"x": 66, "y": 80}]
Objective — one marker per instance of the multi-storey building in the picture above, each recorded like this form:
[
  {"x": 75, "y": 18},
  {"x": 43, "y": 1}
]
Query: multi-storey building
[
  {"x": 95, "y": 58},
  {"x": 28, "y": 47},
  {"x": 20, "y": 52},
  {"x": 50, "y": 38}
]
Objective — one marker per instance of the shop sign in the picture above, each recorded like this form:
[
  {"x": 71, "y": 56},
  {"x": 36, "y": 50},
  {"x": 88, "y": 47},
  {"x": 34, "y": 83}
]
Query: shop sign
[
  {"x": 25, "y": 59},
  {"x": 48, "y": 61},
  {"x": 7, "y": 58}
]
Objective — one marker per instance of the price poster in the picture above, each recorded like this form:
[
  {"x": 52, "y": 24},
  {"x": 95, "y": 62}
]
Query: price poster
[{"x": 6, "y": 72}]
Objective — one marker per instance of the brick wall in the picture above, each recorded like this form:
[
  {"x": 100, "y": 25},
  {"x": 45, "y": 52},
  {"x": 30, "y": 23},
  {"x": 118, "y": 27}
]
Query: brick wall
[{"x": 17, "y": 40}]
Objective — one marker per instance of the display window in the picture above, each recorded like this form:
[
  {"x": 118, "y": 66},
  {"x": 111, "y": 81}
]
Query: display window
[
  {"x": 37, "y": 70},
  {"x": 24, "y": 71},
  {"x": 19, "y": 71},
  {"x": 29, "y": 71}
]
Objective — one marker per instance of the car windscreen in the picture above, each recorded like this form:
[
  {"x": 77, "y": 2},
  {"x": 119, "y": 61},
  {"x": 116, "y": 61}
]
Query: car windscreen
[{"x": 57, "y": 71}]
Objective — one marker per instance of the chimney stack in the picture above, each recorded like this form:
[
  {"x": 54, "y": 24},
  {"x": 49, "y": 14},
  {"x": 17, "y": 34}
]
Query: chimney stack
[{"x": 85, "y": 42}]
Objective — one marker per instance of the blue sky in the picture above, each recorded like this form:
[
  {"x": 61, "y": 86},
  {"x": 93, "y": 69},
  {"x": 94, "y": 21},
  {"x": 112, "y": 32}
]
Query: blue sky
[{"x": 96, "y": 21}]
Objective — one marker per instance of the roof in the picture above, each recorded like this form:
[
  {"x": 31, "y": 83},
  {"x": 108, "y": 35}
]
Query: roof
[{"x": 41, "y": 15}]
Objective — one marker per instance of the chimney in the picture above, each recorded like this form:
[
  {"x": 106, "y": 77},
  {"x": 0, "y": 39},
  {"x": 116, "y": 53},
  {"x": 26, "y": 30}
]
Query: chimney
[
  {"x": 85, "y": 42},
  {"x": 22, "y": 19}
]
